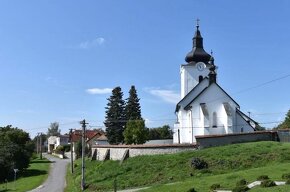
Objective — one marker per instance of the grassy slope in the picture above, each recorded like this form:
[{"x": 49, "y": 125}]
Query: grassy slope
[
  {"x": 30, "y": 178},
  {"x": 161, "y": 169}
]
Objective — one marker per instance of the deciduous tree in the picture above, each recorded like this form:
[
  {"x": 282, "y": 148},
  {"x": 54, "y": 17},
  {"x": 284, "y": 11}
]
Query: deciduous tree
[
  {"x": 15, "y": 150},
  {"x": 53, "y": 130},
  {"x": 135, "y": 132},
  {"x": 286, "y": 123}
]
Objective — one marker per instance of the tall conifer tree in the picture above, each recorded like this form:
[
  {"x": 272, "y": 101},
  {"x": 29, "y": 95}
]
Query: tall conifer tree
[
  {"x": 133, "y": 109},
  {"x": 115, "y": 117},
  {"x": 135, "y": 131}
]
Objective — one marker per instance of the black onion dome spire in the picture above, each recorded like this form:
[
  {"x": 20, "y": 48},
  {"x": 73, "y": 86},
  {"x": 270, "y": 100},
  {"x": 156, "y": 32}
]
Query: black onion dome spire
[{"x": 197, "y": 53}]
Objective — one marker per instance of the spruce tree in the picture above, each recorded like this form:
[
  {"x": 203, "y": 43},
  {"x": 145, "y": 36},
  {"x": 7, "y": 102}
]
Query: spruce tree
[
  {"x": 115, "y": 117},
  {"x": 135, "y": 131},
  {"x": 133, "y": 109}
]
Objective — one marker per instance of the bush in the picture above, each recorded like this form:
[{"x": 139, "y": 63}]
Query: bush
[
  {"x": 288, "y": 182},
  {"x": 241, "y": 189},
  {"x": 191, "y": 190},
  {"x": 241, "y": 182},
  {"x": 198, "y": 163},
  {"x": 268, "y": 183},
  {"x": 215, "y": 186},
  {"x": 286, "y": 176},
  {"x": 59, "y": 149},
  {"x": 66, "y": 148},
  {"x": 263, "y": 177}
]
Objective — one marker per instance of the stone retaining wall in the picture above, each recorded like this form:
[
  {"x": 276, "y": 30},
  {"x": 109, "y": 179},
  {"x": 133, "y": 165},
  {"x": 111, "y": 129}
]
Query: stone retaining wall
[{"x": 117, "y": 152}]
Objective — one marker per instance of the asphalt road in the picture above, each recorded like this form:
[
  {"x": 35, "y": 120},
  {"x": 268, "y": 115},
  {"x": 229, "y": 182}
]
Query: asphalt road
[{"x": 56, "y": 178}]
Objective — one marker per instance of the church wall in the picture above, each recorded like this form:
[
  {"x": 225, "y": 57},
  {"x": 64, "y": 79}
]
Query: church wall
[
  {"x": 190, "y": 78},
  {"x": 242, "y": 125}
]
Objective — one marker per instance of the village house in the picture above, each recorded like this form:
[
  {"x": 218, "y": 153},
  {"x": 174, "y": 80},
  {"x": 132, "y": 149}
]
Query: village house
[
  {"x": 92, "y": 137},
  {"x": 54, "y": 141}
]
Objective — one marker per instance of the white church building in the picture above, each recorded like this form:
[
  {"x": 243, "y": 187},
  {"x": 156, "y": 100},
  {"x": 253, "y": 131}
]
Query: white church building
[{"x": 205, "y": 108}]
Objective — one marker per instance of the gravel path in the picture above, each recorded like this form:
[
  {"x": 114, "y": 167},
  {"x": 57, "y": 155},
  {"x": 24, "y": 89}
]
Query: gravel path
[{"x": 56, "y": 179}]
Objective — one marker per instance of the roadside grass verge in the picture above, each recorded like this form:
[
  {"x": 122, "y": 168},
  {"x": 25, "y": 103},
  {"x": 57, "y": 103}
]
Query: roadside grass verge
[
  {"x": 30, "y": 178},
  {"x": 161, "y": 169}
]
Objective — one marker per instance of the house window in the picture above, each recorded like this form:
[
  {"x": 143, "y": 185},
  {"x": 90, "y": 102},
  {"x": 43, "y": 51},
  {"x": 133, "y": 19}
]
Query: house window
[
  {"x": 242, "y": 129},
  {"x": 200, "y": 78},
  {"x": 214, "y": 120}
]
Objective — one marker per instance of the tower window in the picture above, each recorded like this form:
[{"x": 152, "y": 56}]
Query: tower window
[{"x": 200, "y": 78}]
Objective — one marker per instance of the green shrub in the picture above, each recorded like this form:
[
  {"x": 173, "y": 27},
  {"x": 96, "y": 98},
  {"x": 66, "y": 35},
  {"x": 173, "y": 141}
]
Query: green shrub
[
  {"x": 268, "y": 183},
  {"x": 263, "y": 177},
  {"x": 66, "y": 148},
  {"x": 243, "y": 188},
  {"x": 288, "y": 182},
  {"x": 191, "y": 190},
  {"x": 286, "y": 176},
  {"x": 241, "y": 182},
  {"x": 215, "y": 186},
  {"x": 59, "y": 149},
  {"x": 198, "y": 163}
]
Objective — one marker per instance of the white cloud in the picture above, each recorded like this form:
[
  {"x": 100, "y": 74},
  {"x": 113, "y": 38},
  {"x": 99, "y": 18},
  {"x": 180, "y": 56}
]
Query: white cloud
[
  {"x": 92, "y": 43},
  {"x": 95, "y": 91},
  {"x": 166, "y": 95}
]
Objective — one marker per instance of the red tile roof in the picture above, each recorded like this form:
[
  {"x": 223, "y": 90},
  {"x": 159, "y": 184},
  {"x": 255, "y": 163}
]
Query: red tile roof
[{"x": 77, "y": 134}]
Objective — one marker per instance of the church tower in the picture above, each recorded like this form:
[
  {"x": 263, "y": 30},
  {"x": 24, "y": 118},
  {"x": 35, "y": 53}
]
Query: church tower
[
  {"x": 205, "y": 108},
  {"x": 197, "y": 66}
]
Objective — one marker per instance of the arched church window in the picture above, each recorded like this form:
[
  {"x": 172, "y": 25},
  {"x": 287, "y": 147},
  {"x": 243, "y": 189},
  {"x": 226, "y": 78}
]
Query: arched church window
[
  {"x": 200, "y": 78},
  {"x": 214, "y": 120}
]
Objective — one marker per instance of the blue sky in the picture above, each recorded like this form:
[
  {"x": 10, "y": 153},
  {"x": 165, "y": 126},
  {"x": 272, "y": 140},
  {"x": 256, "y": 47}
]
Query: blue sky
[{"x": 59, "y": 59}]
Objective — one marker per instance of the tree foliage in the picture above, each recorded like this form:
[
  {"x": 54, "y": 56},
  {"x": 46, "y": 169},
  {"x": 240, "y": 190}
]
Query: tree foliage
[
  {"x": 115, "y": 117},
  {"x": 133, "y": 109},
  {"x": 286, "y": 123},
  {"x": 53, "y": 129},
  {"x": 135, "y": 132},
  {"x": 163, "y": 132},
  {"x": 16, "y": 149}
]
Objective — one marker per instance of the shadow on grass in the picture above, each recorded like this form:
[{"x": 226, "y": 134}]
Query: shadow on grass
[
  {"x": 41, "y": 161},
  {"x": 33, "y": 172}
]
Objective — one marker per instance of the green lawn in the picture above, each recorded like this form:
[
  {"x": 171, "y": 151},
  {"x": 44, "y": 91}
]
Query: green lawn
[
  {"x": 229, "y": 180},
  {"x": 227, "y": 164},
  {"x": 31, "y": 178}
]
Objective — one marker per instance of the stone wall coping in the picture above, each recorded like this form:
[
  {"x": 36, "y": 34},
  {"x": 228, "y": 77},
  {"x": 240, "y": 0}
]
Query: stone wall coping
[
  {"x": 147, "y": 146},
  {"x": 233, "y": 134}
]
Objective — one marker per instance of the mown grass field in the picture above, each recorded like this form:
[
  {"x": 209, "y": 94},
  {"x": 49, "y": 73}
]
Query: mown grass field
[
  {"x": 30, "y": 178},
  {"x": 226, "y": 165}
]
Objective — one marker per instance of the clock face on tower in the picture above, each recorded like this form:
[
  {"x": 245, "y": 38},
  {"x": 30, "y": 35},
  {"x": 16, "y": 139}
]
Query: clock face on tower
[{"x": 200, "y": 66}]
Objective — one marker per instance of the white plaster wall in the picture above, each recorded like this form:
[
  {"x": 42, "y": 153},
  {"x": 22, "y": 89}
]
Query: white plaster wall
[
  {"x": 189, "y": 76},
  {"x": 214, "y": 98},
  {"x": 241, "y": 123}
]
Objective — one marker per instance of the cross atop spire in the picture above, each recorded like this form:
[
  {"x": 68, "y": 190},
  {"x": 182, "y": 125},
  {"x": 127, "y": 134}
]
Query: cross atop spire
[
  {"x": 198, "y": 53},
  {"x": 197, "y": 23}
]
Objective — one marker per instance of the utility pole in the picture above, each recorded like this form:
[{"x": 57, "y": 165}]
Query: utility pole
[
  {"x": 83, "y": 123},
  {"x": 37, "y": 141},
  {"x": 71, "y": 152},
  {"x": 40, "y": 145}
]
